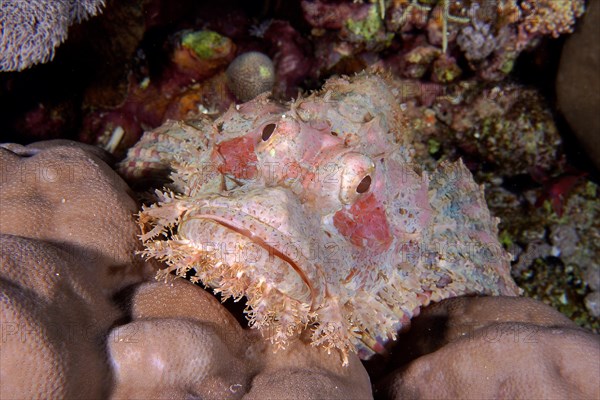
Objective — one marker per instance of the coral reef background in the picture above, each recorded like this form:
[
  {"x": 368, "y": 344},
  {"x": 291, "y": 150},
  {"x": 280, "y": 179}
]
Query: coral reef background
[{"x": 479, "y": 84}]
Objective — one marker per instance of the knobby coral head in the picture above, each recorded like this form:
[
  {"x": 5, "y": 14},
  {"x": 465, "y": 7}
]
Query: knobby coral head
[
  {"x": 315, "y": 212},
  {"x": 250, "y": 74}
]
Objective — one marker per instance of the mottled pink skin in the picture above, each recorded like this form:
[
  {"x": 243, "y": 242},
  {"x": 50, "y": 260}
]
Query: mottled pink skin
[{"x": 316, "y": 214}]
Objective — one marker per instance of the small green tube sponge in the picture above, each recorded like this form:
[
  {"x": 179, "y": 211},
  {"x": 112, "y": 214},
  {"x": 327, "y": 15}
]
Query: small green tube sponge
[{"x": 250, "y": 74}]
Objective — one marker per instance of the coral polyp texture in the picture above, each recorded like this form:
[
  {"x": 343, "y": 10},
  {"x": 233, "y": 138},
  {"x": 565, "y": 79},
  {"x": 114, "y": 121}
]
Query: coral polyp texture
[
  {"x": 32, "y": 29},
  {"x": 250, "y": 74},
  {"x": 316, "y": 213}
]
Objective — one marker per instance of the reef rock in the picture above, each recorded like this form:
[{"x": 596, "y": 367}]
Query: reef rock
[{"x": 315, "y": 212}]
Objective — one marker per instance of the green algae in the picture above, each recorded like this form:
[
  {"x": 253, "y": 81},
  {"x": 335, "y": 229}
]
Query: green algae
[
  {"x": 366, "y": 28},
  {"x": 205, "y": 44}
]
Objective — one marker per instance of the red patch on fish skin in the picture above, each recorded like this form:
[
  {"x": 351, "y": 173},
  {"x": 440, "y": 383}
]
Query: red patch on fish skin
[
  {"x": 365, "y": 224},
  {"x": 239, "y": 158}
]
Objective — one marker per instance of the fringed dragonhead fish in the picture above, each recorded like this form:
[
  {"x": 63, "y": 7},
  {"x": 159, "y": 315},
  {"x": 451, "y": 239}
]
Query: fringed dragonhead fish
[{"x": 315, "y": 212}]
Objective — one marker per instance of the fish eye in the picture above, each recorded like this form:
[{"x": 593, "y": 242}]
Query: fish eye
[
  {"x": 268, "y": 131},
  {"x": 364, "y": 184},
  {"x": 356, "y": 176}
]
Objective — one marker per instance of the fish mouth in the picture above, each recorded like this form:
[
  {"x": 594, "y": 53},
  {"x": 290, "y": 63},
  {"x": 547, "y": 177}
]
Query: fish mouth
[{"x": 271, "y": 240}]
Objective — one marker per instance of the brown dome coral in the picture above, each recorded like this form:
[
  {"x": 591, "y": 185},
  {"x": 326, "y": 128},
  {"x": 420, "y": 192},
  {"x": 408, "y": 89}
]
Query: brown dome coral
[
  {"x": 68, "y": 243},
  {"x": 494, "y": 347},
  {"x": 58, "y": 277},
  {"x": 212, "y": 357}
]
